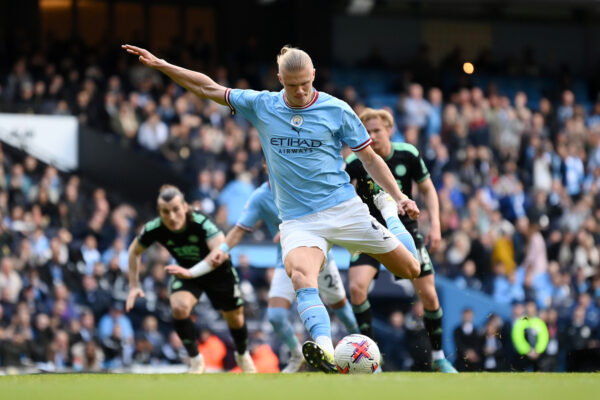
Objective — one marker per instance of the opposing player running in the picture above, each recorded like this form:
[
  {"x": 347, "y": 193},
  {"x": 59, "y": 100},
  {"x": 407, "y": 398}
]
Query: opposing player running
[
  {"x": 406, "y": 164},
  {"x": 301, "y": 131},
  {"x": 189, "y": 236},
  {"x": 261, "y": 206}
]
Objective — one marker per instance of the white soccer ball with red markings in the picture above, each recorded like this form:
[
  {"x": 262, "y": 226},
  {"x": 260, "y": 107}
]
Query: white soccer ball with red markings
[{"x": 357, "y": 354}]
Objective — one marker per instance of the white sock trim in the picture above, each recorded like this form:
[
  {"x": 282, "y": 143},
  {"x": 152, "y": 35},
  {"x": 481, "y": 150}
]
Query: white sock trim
[
  {"x": 325, "y": 342},
  {"x": 437, "y": 355}
]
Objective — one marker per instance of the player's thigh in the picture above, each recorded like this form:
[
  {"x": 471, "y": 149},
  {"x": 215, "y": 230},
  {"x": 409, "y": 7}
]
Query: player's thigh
[
  {"x": 400, "y": 261},
  {"x": 222, "y": 287},
  {"x": 281, "y": 288},
  {"x": 303, "y": 264},
  {"x": 425, "y": 289},
  {"x": 331, "y": 287},
  {"x": 361, "y": 276}
]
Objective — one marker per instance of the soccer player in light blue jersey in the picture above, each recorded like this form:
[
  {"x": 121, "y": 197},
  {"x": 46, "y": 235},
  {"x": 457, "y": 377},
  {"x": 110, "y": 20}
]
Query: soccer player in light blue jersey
[
  {"x": 301, "y": 132},
  {"x": 261, "y": 206}
]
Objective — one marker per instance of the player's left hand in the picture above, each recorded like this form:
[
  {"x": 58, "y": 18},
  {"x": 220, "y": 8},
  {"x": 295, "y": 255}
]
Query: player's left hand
[
  {"x": 179, "y": 271},
  {"x": 409, "y": 207}
]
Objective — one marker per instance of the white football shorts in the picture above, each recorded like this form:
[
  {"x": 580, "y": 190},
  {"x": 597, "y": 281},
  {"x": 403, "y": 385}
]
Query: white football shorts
[{"x": 348, "y": 224}]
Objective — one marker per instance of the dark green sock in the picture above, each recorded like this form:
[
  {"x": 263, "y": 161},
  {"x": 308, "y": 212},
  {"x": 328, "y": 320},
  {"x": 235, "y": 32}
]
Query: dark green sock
[
  {"x": 364, "y": 317},
  {"x": 240, "y": 338},
  {"x": 187, "y": 333},
  {"x": 433, "y": 325}
]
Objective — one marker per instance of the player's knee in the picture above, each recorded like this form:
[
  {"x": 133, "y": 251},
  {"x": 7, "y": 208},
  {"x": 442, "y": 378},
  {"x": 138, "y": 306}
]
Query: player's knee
[
  {"x": 358, "y": 292},
  {"x": 277, "y": 317},
  {"x": 301, "y": 280},
  {"x": 180, "y": 311}
]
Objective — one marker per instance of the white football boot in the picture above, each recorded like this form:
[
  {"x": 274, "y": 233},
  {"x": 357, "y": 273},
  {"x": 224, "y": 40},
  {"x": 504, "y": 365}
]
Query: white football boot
[
  {"x": 197, "y": 365},
  {"x": 244, "y": 361}
]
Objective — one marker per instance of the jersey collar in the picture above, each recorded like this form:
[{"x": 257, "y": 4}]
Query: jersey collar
[{"x": 310, "y": 103}]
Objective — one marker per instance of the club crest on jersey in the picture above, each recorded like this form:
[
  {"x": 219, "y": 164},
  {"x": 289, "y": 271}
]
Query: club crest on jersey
[{"x": 297, "y": 120}]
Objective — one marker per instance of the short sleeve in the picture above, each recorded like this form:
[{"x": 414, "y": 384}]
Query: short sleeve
[
  {"x": 148, "y": 234},
  {"x": 250, "y": 214},
  {"x": 352, "y": 131},
  {"x": 210, "y": 228},
  {"x": 242, "y": 101},
  {"x": 421, "y": 171}
]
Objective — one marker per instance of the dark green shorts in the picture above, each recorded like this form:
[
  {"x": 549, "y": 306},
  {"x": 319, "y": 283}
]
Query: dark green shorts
[{"x": 222, "y": 286}]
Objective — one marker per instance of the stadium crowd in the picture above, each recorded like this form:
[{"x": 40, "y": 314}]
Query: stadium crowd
[{"x": 518, "y": 188}]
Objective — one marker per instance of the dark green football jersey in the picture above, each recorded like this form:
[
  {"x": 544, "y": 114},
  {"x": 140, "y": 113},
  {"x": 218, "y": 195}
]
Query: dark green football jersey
[
  {"x": 406, "y": 165},
  {"x": 187, "y": 246}
]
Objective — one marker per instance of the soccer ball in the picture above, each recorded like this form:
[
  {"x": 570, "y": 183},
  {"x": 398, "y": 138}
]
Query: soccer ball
[{"x": 357, "y": 354}]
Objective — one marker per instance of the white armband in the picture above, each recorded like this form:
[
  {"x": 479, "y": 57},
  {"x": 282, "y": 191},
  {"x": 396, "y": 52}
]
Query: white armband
[{"x": 202, "y": 268}]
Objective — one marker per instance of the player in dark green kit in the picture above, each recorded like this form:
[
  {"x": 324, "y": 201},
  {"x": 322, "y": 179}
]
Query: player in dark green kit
[
  {"x": 190, "y": 236},
  {"x": 407, "y": 166}
]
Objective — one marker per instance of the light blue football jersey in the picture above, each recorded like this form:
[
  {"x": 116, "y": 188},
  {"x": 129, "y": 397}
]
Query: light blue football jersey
[{"x": 302, "y": 147}]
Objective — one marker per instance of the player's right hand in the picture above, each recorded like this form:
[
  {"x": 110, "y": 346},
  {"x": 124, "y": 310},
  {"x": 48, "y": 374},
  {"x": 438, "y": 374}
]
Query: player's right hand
[
  {"x": 218, "y": 257},
  {"x": 144, "y": 55},
  {"x": 134, "y": 293},
  {"x": 410, "y": 208},
  {"x": 179, "y": 271}
]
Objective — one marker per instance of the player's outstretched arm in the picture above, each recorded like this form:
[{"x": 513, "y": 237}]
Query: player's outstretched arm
[
  {"x": 379, "y": 171},
  {"x": 135, "y": 291},
  {"x": 233, "y": 238},
  {"x": 198, "y": 83},
  {"x": 201, "y": 268},
  {"x": 434, "y": 236}
]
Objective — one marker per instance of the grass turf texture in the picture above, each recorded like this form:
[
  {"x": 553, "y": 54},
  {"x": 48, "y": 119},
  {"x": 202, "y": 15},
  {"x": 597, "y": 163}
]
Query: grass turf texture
[{"x": 303, "y": 386}]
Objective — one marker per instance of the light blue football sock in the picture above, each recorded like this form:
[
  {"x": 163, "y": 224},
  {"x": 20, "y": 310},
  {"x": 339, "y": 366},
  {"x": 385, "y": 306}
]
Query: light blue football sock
[
  {"x": 278, "y": 317},
  {"x": 313, "y": 313},
  {"x": 347, "y": 317},
  {"x": 397, "y": 228}
]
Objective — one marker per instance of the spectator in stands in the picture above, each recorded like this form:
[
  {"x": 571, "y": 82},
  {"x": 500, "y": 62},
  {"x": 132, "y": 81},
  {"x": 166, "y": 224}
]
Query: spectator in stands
[
  {"x": 10, "y": 281},
  {"x": 467, "y": 278},
  {"x": 492, "y": 351},
  {"x": 153, "y": 132},
  {"x": 468, "y": 344}
]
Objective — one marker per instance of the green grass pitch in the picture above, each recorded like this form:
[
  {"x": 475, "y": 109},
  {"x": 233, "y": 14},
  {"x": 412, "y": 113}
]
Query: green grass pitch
[{"x": 303, "y": 386}]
